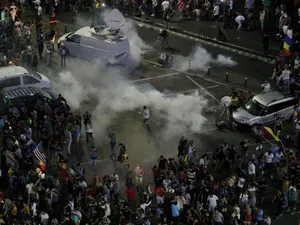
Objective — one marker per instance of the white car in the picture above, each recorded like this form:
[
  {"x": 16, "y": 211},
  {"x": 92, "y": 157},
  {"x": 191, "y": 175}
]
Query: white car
[
  {"x": 99, "y": 42},
  {"x": 18, "y": 76}
]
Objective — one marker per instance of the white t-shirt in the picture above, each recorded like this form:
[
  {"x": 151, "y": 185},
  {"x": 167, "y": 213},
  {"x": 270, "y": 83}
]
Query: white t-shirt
[
  {"x": 29, "y": 188},
  {"x": 251, "y": 169},
  {"x": 39, "y": 10},
  {"x": 285, "y": 28},
  {"x": 289, "y": 33},
  {"x": 201, "y": 162},
  {"x": 146, "y": 113},
  {"x": 165, "y": 5},
  {"x": 83, "y": 184},
  {"x": 241, "y": 182},
  {"x": 269, "y": 157},
  {"x": 278, "y": 157},
  {"x": 216, "y": 10},
  {"x": 244, "y": 198},
  {"x": 212, "y": 200},
  {"x": 44, "y": 216},
  {"x": 37, "y": 2},
  {"x": 240, "y": 18}
]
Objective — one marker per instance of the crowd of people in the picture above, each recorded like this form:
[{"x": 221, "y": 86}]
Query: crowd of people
[{"x": 40, "y": 186}]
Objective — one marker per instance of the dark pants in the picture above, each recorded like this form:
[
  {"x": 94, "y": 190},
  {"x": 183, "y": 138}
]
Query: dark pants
[
  {"x": 266, "y": 48},
  {"x": 63, "y": 61},
  {"x": 89, "y": 136}
]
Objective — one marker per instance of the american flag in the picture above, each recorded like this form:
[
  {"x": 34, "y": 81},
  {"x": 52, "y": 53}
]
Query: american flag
[
  {"x": 10, "y": 158},
  {"x": 39, "y": 155}
]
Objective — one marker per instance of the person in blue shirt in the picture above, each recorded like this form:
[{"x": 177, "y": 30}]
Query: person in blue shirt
[
  {"x": 175, "y": 212},
  {"x": 93, "y": 157},
  {"x": 260, "y": 216}
]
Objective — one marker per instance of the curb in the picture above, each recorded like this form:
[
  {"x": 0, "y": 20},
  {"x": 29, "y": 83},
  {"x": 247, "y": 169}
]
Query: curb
[{"x": 212, "y": 42}]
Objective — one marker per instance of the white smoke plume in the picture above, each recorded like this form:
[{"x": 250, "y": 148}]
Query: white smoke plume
[
  {"x": 110, "y": 94},
  {"x": 107, "y": 93},
  {"x": 200, "y": 59}
]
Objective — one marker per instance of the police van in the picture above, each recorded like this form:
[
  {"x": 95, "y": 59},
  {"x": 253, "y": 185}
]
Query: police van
[{"x": 99, "y": 42}]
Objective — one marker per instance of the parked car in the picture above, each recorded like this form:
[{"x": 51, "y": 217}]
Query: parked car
[
  {"x": 26, "y": 97},
  {"x": 264, "y": 109},
  {"x": 17, "y": 76},
  {"x": 99, "y": 42}
]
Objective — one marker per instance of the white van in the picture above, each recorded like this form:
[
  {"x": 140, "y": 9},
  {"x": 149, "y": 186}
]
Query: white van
[
  {"x": 99, "y": 42},
  {"x": 15, "y": 76}
]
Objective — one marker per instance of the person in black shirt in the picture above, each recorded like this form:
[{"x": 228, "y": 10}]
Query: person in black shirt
[
  {"x": 278, "y": 200},
  {"x": 244, "y": 149},
  {"x": 162, "y": 163},
  {"x": 262, "y": 184}
]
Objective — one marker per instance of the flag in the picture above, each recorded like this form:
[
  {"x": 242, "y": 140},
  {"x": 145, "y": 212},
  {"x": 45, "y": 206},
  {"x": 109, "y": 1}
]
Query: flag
[
  {"x": 10, "y": 158},
  {"x": 269, "y": 133},
  {"x": 186, "y": 159},
  {"x": 39, "y": 155},
  {"x": 42, "y": 166},
  {"x": 288, "y": 42}
]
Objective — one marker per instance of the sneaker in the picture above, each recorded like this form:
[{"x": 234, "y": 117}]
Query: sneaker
[
  {"x": 152, "y": 15},
  {"x": 140, "y": 25},
  {"x": 260, "y": 146},
  {"x": 257, "y": 148}
]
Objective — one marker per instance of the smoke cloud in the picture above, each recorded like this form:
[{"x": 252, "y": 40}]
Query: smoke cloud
[
  {"x": 107, "y": 93},
  {"x": 200, "y": 59}
]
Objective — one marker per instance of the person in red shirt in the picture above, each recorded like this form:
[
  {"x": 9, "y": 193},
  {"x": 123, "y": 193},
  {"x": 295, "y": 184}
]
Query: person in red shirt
[{"x": 130, "y": 196}]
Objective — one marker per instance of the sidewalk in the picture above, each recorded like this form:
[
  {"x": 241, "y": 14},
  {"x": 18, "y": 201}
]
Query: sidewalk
[{"x": 249, "y": 41}]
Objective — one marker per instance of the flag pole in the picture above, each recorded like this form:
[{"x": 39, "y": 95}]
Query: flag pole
[{"x": 33, "y": 151}]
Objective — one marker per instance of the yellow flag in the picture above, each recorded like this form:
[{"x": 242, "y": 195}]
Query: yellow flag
[{"x": 269, "y": 132}]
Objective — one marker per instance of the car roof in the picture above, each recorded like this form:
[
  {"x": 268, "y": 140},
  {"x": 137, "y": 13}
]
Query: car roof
[
  {"x": 266, "y": 98},
  {"x": 20, "y": 92},
  {"x": 8, "y": 71}
]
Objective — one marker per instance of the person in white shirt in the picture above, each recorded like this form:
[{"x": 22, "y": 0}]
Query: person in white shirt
[
  {"x": 239, "y": 20},
  {"x": 251, "y": 172},
  {"x": 165, "y": 5},
  {"x": 39, "y": 11},
  {"x": 37, "y": 2},
  {"x": 216, "y": 12},
  {"x": 243, "y": 199},
  {"x": 285, "y": 77},
  {"x": 269, "y": 157},
  {"x": 146, "y": 114},
  {"x": 212, "y": 202},
  {"x": 278, "y": 157},
  {"x": 266, "y": 86},
  {"x": 89, "y": 132}
]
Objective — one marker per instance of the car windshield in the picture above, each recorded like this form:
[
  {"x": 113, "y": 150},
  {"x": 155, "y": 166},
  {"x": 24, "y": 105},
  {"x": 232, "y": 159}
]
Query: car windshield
[
  {"x": 37, "y": 75},
  {"x": 254, "y": 107},
  {"x": 69, "y": 34},
  {"x": 46, "y": 94}
]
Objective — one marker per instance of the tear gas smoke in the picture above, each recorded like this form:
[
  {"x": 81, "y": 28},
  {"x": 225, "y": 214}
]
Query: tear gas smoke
[
  {"x": 106, "y": 92},
  {"x": 200, "y": 60},
  {"x": 110, "y": 94}
]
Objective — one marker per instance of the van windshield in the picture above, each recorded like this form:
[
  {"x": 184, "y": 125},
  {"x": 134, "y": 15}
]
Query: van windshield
[{"x": 254, "y": 107}]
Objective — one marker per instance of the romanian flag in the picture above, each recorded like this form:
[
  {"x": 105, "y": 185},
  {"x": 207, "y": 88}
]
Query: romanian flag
[
  {"x": 42, "y": 166},
  {"x": 269, "y": 133},
  {"x": 288, "y": 42}
]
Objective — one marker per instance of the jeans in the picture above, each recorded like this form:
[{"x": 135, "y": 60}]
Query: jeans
[{"x": 286, "y": 85}]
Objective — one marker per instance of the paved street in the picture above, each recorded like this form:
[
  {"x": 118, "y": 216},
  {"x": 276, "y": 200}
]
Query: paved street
[{"x": 104, "y": 89}]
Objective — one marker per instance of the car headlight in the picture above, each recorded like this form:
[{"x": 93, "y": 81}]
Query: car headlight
[{"x": 103, "y": 5}]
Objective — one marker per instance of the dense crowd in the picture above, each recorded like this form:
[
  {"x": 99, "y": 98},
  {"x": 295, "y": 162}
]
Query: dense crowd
[{"x": 40, "y": 186}]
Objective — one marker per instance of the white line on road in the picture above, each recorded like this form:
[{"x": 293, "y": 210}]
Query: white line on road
[
  {"x": 212, "y": 87},
  {"x": 151, "y": 78},
  {"x": 99, "y": 160},
  {"x": 203, "y": 88}
]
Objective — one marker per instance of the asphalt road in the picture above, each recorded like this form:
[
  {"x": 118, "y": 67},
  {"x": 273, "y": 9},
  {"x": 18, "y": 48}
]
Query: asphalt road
[{"x": 144, "y": 147}]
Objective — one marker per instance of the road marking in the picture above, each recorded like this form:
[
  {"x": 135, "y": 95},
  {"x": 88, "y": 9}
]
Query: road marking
[
  {"x": 151, "y": 78},
  {"x": 99, "y": 160},
  {"x": 212, "y": 87},
  {"x": 203, "y": 88}
]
